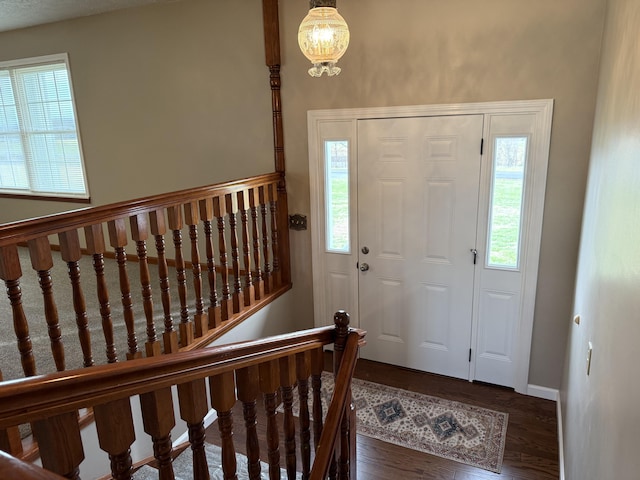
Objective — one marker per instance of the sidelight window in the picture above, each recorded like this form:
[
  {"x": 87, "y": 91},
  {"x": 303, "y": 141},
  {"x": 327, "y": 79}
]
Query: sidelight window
[
  {"x": 336, "y": 156},
  {"x": 507, "y": 193}
]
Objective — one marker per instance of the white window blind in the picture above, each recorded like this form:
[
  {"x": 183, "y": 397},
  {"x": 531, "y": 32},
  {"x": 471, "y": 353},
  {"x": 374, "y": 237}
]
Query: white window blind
[{"x": 40, "y": 150}]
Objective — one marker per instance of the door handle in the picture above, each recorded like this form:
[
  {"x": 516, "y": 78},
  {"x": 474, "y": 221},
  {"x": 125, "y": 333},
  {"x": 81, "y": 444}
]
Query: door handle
[
  {"x": 475, "y": 255},
  {"x": 364, "y": 267}
]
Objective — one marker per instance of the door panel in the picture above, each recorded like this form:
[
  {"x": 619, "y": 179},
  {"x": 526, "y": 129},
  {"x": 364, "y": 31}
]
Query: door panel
[{"x": 418, "y": 181}]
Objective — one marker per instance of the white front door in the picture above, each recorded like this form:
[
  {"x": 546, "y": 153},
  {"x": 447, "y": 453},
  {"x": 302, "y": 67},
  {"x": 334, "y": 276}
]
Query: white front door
[
  {"x": 413, "y": 188},
  {"x": 418, "y": 183}
]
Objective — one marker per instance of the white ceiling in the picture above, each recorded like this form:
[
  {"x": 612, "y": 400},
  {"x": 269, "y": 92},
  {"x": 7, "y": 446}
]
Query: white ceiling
[{"x": 25, "y": 13}]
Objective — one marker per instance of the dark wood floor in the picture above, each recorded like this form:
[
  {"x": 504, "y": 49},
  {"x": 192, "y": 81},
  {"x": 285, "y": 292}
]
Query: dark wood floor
[{"x": 531, "y": 451}]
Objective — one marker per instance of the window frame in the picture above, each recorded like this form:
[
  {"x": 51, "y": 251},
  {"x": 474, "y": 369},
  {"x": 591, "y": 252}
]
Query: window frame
[{"x": 30, "y": 192}]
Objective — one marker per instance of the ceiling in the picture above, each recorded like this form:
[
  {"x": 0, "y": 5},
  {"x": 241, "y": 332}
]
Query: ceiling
[{"x": 25, "y": 13}]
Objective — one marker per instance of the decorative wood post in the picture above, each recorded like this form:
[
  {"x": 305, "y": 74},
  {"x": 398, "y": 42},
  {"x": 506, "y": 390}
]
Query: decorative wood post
[
  {"x": 346, "y": 449},
  {"x": 114, "y": 423},
  {"x": 96, "y": 247},
  {"x": 272, "y": 57},
  {"x": 71, "y": 254},
  {"x": 42, "y": 262},
  {"x": 11, "y": 272}
]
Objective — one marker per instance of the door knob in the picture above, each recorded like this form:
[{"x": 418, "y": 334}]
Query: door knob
[{"x": 364, "y": 267}]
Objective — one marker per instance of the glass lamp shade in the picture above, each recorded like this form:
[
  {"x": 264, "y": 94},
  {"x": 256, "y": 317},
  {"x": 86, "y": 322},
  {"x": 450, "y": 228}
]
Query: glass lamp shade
[{"x": 323, "y": 37}]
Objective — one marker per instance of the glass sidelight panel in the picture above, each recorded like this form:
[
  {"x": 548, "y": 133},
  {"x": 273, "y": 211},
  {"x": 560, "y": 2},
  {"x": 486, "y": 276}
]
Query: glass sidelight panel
[
  {"x": 336, "y": 156},
  {"x": 507, "y": 192}
]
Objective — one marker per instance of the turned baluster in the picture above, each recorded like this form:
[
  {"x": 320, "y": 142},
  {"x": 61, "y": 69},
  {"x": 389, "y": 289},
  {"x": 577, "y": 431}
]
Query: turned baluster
[
  {"x": 303, "y": 371},
  {"x": 175, "y": 224},
  {"x": 71, "y": 253},
  {"x": 248, "y": 293},
  {"x": 114, "y": 424},
  {"x": 206, "y": 213},
  {"x": 193, "y": 408},
  {"x": 158, "y": 230},
  {"x": 10, "y": 440},
  {"x": 269, "y": 384},
  {"x": 223, "y": 398},
  {"x": 273, "y": 196},
  {"x": 42, "y": 262},
  {"x": 118, "y": 240},
  {"x": 140, "y": 234},
  {"x": 317, "y": 366},
  {"x": 96, "y": 247},
  {"x": 220, "y": 211},
  {"x": 192, "y": 218},
  {"x": 158, "y": 420},
  {"x": 267, "y": 277},
  {"x": 60, "y": 444},
  {"x": 287, "y": 383},
  {"x": 254, "y": 201},
  {"x": 232, "y": 210},
  {"x": 248, "y": 389},
  {"x": 10, "y": 273},
  {"x": 346, "y": 441}
]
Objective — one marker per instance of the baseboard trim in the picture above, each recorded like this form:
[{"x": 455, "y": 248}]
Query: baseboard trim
[
  {"x": 209, "y": 418},
  {"x": 560, "y": 439},
  {"x": 542, "y": 392}
]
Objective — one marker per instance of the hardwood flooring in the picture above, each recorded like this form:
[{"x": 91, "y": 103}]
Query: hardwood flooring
[{"x": 531, "y": 451}]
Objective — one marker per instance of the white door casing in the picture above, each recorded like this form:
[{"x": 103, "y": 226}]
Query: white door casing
[{"x": 335, "y": 275}]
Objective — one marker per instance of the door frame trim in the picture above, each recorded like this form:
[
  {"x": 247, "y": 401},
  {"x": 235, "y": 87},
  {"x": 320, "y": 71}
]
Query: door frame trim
[{"x": 542, "y": 109}]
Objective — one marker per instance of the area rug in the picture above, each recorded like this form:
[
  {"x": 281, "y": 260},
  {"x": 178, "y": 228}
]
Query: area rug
[{"x": 456, "y": 431}]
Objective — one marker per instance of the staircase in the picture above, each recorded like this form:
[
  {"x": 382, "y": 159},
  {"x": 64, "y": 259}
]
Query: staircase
[{"x": 261, "y": 372}]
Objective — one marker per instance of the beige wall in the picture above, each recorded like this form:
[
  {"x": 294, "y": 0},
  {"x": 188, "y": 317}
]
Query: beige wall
[
  {"x": 428, "y": 52},
  {"x": 133, "y": 118},
  {"x": 163, "y": 102},
  {"x": 601, "y": 419}
]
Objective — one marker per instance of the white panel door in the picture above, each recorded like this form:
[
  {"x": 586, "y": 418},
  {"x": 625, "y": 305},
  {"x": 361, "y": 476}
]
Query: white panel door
[{"x": 418, "y": 183}]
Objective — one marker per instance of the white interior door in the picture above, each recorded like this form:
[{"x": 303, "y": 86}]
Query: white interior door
[{"x": 418, "y": 183}]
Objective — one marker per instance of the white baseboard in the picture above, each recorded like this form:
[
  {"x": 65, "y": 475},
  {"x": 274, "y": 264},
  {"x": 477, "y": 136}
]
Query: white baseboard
[
  {"x": 209, "y": 418},
  {"x": 560, "y": 439},
  {"x": 542, "y": 392},
  {"x": 552, "y": 394}
]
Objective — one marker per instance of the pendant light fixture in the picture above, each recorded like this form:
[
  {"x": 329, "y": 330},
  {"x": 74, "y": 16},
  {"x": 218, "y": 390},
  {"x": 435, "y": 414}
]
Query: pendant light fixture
[{"x": 323, "y": 37}]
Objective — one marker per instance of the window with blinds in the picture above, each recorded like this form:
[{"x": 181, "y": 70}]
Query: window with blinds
[{"x": 40, "y": 149}]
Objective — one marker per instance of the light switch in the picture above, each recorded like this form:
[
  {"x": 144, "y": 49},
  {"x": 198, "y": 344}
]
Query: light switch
[{"x": 589, "y": 352}]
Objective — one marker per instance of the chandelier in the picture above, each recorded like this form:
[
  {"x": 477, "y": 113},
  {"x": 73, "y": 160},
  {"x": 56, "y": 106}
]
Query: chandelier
[{"x": 323, "y": 37}]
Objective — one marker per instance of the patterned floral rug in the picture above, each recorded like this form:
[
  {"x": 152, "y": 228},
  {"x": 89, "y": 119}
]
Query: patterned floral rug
[{"x": 453, "y": 430}]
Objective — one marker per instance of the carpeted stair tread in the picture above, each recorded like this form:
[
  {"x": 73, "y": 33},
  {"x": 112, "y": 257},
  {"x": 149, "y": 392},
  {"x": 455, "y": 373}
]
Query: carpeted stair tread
[{"x": 183, "y": 466}]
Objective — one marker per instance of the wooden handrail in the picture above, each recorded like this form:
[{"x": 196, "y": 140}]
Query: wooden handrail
[
  {"x": 50, "y": 403},
  {"x": 25, "y": 230},
  {"x": 337, "y": 409},
  {"x": 11, "y": 467},
  {"x": 42, "y": 396},
  {"x": 221, "y": 277}
]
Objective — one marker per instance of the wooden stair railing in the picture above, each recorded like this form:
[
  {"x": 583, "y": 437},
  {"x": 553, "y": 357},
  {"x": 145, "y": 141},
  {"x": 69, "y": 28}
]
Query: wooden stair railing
[
  {"x": 239, "y": 371},
  {"x": 218, "y": 280}
]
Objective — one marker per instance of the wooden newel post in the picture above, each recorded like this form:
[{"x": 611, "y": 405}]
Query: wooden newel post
[
  {"x": 346, "y": 447},
  {"x": 271, "y": 23}
]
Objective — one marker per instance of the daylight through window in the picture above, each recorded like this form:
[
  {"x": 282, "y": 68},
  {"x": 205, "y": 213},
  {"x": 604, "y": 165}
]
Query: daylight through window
[
  {"x": 337, "y": 195},
  {"x": 40, "y": 150}
]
